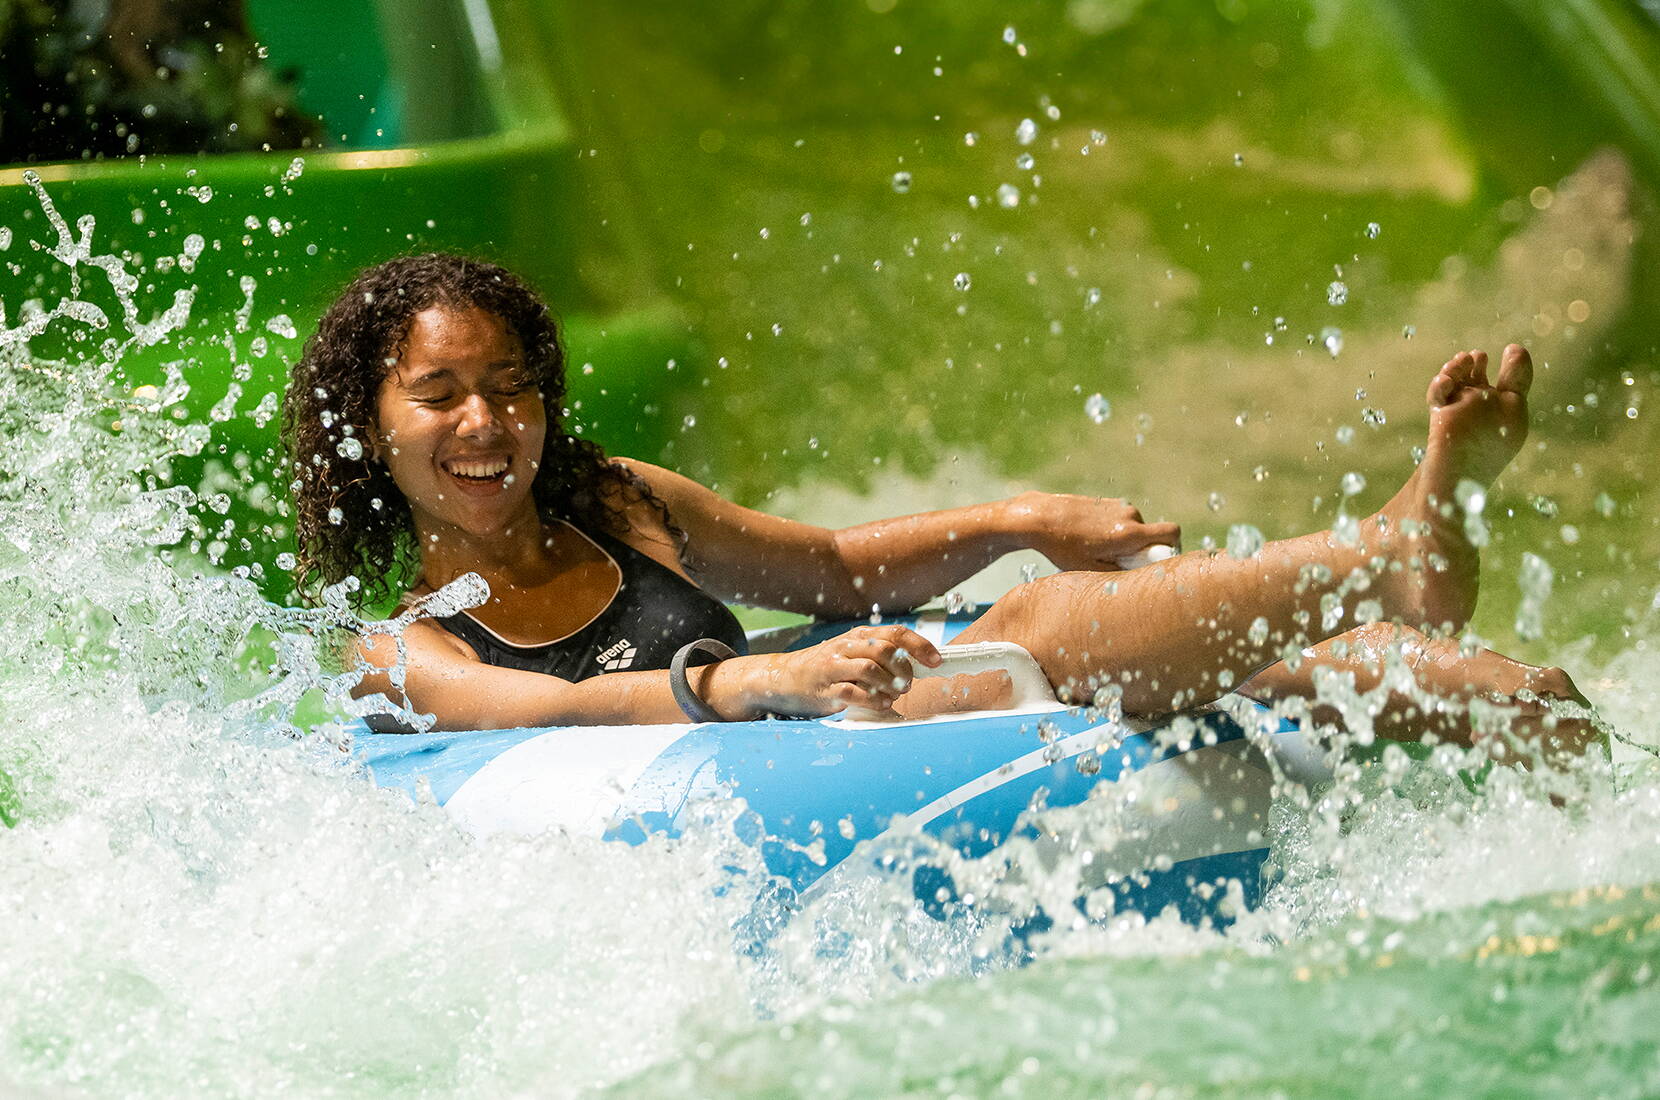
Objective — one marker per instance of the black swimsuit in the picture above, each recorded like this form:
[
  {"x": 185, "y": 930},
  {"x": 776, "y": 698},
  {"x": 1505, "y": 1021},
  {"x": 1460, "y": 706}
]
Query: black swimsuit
[{"x": 653, "y": 614}]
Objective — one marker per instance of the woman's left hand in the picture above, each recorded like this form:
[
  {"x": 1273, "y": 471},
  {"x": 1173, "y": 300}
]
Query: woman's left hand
[{"x": 1079, "y": 532}]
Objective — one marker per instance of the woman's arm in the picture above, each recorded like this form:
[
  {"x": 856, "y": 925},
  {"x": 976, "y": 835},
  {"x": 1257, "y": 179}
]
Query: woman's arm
[
  {"x": 752, "y": 558},
  {"x": 441, "y": 676}
]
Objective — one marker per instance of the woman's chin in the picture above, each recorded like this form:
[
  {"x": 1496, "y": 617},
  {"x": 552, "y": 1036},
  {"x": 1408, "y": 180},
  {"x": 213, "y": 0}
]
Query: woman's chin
[{"x": 483, "y": 524}]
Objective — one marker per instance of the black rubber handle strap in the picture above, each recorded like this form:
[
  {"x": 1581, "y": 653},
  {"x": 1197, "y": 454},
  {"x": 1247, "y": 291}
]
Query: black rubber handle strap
[{"x": 695, "y": 709}]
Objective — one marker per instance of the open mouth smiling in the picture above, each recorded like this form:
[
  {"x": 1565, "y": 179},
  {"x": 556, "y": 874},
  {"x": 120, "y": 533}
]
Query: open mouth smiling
[{"x": 477, "y": 471}]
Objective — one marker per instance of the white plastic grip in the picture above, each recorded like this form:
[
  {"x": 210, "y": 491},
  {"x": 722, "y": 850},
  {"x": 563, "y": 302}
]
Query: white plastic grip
[
  {"x": 1029, "y": 686},
  {"x": 1147, "y": 556}
]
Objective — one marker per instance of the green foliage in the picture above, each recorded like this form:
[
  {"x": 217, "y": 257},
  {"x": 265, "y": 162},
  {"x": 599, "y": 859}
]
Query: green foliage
[{"x": 136, "y": 77}]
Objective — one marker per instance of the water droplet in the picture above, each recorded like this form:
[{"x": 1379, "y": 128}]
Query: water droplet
[
  {"x": 1604, "y": 505},
  {"x": 1024, "y": 162},
  {"x": 1026, "y": 132},
  {"x": 286, "y": 561},
  {"x": 1331, "y": 338},
  {"x": 1536, "y": 578},
  {"x": 1372, "y": 230},
  {"x": 1472, "y": 498},
  {"x": 350, "y": 448},
  {"x": 1008, "y": 196},
  {"x": 688, "y": 422},
  {"x": 1337, "y": 293},
  {"x": 1352, "y": 483},
  {"x": 1098, "y": 408},
  {"x": 282, "y": 325},
  {"x": 1408, "y": 331},
  {"x": 765, "y": 232},
  {"x": 1259, "y": 473},
  {"x": 1239, "y": 158},
  {"x": 1375, "y": 417},
  {"x": 336, "y": 516},
  {"x": 962, "y": 281},
  {"x": 1570, "y": 534},
  {"x": 901, "y": 182},
  {"x": 1009, "y": 35},
  {"x": 1215, "y": 501},
  {"x": 1345, "y": 434},
  {"x": 1097, "y": 137},
  {"x": 193, "y": 246},
  {"x": 1544, "y": 505},
  {"x": 1244, "y": 541},
  {"x": 971, "y": 138}
]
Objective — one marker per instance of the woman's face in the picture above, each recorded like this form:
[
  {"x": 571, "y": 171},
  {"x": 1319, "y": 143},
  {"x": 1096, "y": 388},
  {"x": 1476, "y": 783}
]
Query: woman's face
[{"x": 460, "y": 425}]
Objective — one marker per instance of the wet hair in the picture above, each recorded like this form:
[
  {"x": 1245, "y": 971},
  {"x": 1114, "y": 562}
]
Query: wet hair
[{"x": 350, "y": 517}]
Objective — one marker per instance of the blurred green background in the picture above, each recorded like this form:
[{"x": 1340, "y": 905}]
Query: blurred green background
[{"x": 817, "y": 258}]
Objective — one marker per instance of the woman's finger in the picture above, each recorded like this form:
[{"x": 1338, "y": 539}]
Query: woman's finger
[
  {"x": 895, "y": 662},
  {"x": 867, "y": 673},
  {"x": 914, "y": 645},
  {"x": 851, "y": 695},
  {"x": 1145, "y": 535}
]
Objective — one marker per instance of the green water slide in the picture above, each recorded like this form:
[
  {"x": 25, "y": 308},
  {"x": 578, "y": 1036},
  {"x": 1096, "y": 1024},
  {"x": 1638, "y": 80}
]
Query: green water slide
[{"x": 445, "y": 131}]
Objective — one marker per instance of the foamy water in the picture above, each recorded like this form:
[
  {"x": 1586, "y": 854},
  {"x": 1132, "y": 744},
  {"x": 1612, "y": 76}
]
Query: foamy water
[{"x": 205, "y": 894}]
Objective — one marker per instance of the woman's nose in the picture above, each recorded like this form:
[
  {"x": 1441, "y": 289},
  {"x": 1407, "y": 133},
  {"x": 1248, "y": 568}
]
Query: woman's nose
[{"x": 478, "y": 419}]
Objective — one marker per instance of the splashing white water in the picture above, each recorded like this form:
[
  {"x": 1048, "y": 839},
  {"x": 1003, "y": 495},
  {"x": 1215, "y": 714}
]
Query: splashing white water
[{"x": 206, "y": 894}]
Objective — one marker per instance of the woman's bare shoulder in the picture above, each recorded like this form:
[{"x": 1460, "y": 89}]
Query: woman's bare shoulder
[
  {"x": 379, "y": 647},
  {"x": 649, "y": 528}
]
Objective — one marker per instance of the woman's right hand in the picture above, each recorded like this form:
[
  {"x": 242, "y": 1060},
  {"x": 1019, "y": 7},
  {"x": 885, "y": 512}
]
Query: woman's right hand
[{"x": 869, "y": 666}]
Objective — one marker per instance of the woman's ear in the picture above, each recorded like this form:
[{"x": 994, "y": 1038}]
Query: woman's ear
[{"x": 378, "y": 445}]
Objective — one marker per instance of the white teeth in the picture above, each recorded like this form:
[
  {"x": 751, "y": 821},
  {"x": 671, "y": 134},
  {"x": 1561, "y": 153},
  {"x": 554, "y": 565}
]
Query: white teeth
[{"x": 492, "y": 468}]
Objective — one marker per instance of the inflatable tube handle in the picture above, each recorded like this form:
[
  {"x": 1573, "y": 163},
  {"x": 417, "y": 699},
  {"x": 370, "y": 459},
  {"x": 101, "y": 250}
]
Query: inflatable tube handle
[
  {"x": 1030, "y": 687},
  {"x": 1154, "y": 553}
]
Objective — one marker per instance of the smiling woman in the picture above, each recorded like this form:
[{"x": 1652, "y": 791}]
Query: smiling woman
[
  {"x": 425, "y": 427},
  {"x": 396, "y": 341}
]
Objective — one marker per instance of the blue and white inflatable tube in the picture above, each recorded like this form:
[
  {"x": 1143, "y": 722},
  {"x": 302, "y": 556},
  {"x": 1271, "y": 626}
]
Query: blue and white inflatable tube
[{"x": 817, "y": 790}]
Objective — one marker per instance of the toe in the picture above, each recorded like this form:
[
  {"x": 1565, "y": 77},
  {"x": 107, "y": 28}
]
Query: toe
[
  {"x": 1462, "y": 368},
  {"x": 1444, "y": 384},
  {"x": 1478, "y": 367},
  {"x": 1516, "y": 370}
]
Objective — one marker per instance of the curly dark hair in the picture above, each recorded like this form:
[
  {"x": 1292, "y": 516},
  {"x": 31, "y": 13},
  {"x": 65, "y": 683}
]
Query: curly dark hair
[{"x": 350, "y": 518}]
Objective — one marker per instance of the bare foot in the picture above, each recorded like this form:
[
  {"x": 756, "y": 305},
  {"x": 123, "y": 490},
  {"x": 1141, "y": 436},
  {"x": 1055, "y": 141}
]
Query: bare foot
[{"x": 1475, "y": 428}]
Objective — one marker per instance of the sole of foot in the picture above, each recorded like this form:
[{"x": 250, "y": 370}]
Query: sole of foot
[{"x": 1476, "y": 426}]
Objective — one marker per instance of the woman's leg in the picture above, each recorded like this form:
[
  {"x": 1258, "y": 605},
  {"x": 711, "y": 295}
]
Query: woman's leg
[
  {"x": 1444, "y": 680},
  {"x": 1191, "y": 629}
]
